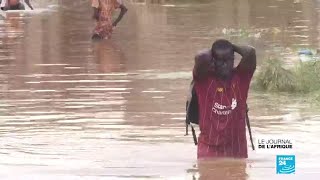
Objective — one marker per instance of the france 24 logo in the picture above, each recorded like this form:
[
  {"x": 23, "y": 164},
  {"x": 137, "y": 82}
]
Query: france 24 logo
[{"x": 286, "y": 164}]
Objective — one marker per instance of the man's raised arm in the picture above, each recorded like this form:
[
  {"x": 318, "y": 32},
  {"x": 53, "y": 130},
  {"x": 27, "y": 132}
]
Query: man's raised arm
[
  {"x": 249, "y": 59},
  {"x": 203, "y": 65},
  {"x": 123, "y": 11}
]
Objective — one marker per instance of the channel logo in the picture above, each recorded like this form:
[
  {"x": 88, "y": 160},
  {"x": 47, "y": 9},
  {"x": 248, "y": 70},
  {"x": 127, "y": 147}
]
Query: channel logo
[
  {"x": 286, "y": 164},
  {"x": 275, "y": 144}
]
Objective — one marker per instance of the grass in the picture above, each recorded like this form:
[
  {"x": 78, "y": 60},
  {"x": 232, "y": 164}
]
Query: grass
[
  {"x": 274, "y": 77},
  {"x": 308, "y": 77},
  {"x": 303, "y": 79}
]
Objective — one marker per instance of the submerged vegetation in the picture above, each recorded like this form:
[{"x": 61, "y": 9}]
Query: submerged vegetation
[
  {"x": 302, "y": 79},
  {"x": 274, "y": 77}
]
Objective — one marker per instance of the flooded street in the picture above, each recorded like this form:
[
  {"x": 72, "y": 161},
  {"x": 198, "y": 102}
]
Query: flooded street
[{"x": 116, "y": 109}]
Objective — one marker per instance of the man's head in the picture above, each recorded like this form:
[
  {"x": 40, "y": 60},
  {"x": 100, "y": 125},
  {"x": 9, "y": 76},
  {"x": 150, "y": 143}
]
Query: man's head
[{"x": 223, "y": 57}]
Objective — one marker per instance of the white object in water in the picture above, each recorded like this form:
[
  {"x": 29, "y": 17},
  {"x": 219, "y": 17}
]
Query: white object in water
[
  {"x": 3, "y": 3},
  {"x": 307, "y": 55},
  {"x": 3, "y": 14},
  {"x": 305, "y": 58},
  {"x": 35, "y": 11}
]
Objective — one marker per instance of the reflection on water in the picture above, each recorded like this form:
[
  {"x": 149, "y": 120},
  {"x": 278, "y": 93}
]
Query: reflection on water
[
  {"x": 115, "y": 109},
  {"x": 109, "y": 58},
  {"x": 228, "y": 169}
]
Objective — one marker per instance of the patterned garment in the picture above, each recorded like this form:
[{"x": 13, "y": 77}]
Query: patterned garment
[
  {"x": 222, "y": 106},
  {"x": 104, "y": 24},
  {"x": 13, "y": 2},
  {"x": 12, "y": 5}
]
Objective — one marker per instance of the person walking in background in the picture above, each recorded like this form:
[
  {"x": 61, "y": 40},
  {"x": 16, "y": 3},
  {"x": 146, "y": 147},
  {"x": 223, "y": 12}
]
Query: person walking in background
[
  {"x": 102, "y": 13},
  {"x": 14, "y": 5}
]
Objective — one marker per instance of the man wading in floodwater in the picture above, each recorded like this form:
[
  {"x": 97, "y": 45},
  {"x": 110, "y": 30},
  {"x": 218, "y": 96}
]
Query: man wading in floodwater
[
  {"x": 102, "y": 13},
  {"x": 222, "y": 92},
  {"x": 14, "y": 5}
]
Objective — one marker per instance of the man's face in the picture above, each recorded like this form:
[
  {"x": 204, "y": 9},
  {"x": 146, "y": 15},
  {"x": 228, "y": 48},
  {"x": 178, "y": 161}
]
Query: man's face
[{"x": 223, "y": 61}]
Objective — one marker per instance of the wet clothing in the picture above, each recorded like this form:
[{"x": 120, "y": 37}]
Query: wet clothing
[
  {"x": 106, "y": 8},
  {"x": 18, "y": 6},
  {"x": 222, "y": 109},
  {"x": 8, "y": 6}
]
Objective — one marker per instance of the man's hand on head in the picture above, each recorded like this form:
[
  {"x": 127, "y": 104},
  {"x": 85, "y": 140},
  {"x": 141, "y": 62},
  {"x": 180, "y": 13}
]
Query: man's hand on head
[{"x": 248, "y": 61}]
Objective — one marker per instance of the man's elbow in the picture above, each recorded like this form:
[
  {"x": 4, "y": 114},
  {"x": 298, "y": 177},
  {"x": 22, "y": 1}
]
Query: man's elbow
[
  {"x": 254, "y": 60},
  {"x": 124, "y": 9},
  {"x": 252, "y": 51},
  {"x": 251, "y": 58},
  {"x": 196, "y": 58},
  {"x": 196, "y": 74}
]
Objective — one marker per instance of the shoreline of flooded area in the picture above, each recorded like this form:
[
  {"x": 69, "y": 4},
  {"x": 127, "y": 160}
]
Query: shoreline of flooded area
[{"x": 73, "y": 109}]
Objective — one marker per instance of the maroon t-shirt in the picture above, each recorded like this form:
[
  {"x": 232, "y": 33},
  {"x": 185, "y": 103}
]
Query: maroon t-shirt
[{"x": 222, "y": 109}]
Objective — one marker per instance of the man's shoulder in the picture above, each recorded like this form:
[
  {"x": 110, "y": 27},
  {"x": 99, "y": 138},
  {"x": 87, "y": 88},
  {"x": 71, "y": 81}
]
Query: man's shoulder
[{"x": 204, "y": 54}]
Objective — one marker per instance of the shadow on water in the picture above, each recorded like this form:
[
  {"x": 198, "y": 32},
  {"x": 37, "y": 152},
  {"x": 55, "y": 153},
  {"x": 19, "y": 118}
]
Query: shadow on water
[{"x": 115, "y": 109}]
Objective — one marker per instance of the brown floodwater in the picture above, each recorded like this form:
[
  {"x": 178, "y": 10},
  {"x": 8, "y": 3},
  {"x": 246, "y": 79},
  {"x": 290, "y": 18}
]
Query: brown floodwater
[{"x": 72, "y": 109}]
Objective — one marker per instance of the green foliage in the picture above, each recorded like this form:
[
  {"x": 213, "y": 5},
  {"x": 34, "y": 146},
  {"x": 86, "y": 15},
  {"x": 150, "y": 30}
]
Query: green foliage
[
  {"x": 308, "y": 79},
  {"x": 303, "y": 79},
  {"x": 274, "y": 77}
]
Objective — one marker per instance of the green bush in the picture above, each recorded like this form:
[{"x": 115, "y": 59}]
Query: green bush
[
  {"x": 303, "y": 78},
  {"x": 274, "y": 77},
  {"x": 307, "y": 74}
]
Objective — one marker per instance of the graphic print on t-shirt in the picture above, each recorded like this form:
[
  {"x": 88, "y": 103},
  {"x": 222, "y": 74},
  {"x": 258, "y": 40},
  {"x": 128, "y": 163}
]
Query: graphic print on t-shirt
[{"x": 224, "y": 107}]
